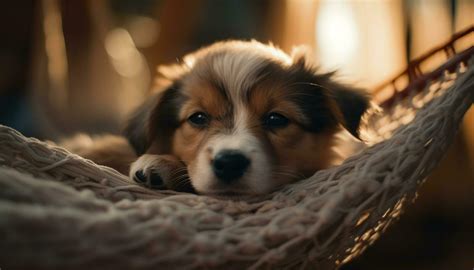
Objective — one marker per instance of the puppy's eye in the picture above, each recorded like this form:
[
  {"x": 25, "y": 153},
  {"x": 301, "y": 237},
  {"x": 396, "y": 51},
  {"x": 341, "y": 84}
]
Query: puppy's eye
[
  {"x": 275, "y": 120},
  {"x": 199, "y": 119}
]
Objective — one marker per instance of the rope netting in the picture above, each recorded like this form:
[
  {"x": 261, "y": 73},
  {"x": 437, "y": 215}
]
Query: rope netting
[{"x": 58, "y": 210}]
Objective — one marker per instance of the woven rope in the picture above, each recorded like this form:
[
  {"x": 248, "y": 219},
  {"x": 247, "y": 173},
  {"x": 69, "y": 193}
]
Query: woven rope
[{"x": 58, "y": 210}]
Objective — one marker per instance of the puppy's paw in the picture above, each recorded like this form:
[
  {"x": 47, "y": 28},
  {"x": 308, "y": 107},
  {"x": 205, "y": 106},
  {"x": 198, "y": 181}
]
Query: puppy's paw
[
  {"x": 155, "y": 171},
  {"x": 149, "y": 179}
]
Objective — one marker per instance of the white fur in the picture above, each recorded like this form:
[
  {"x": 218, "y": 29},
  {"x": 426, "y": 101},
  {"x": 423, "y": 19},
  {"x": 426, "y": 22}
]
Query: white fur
[
  {"x": 147, "y": 164},
  {"x": 257, "y": 177},
  {"x": 237, "y": 71}
]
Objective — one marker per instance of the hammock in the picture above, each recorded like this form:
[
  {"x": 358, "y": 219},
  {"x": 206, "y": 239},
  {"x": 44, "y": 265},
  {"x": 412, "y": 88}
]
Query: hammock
[{"x": 60, "y": 211}]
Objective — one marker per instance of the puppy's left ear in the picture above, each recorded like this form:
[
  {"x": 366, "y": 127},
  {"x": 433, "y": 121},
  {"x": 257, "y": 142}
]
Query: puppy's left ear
[{"x": 348, "y": 105}]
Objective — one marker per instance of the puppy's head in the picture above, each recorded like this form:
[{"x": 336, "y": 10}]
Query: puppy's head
[{"x": 246, "y": 118}]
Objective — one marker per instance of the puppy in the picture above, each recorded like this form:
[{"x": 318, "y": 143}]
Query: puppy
[{"x": 240, "y": 118}]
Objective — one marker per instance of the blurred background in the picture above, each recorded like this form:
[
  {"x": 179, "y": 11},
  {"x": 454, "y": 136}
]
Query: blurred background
[{"x": 82, "y": 66}]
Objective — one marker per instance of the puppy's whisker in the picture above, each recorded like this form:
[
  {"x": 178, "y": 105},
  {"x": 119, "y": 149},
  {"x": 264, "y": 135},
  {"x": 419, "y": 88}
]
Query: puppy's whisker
[
  {"x": 290, "y": 174},
  {"x": 183, "y": 183},
  {"x": 178, "y": 171},
  {"x": 183, "y": 178},
  {"x": 310, "y": 84}
]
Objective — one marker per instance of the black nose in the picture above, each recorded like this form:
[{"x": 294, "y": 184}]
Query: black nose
[{"x": 229, "y": 165}]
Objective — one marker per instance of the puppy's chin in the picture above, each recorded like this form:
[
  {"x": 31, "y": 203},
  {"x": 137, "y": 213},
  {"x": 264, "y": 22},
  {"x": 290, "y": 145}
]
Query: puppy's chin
[
  {"x": 205, "y": 183},
  {"x": 229, "y": 193},
  {"x": 214, "y": 188},
  {"x": 256, "y": 181}
]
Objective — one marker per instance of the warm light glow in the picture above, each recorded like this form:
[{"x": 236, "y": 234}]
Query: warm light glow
[
  {"x": 144, "y": 31},
  {"x": 297, "y": 24},
  {"x": 131, "y": 65},
  {"x": 119, "y": 43},
  {"x": 426, "y": 15},
  {"x": 55, "y": 47},
  {"x": 125, "y": 57},
  {"x": 363, "y": 40},
  {"x": 337, "y": 36}
]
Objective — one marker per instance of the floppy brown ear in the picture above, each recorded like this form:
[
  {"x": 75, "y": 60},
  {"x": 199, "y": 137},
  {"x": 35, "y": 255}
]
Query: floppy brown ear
[
  {"x": 137, "y": 129},
  {"x": 154, "y": 122},
  {"x": 348, "y": 105}
]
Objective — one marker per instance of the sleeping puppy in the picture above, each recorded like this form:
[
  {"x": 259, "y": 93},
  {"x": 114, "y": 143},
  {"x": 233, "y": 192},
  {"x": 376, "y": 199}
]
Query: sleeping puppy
[{"x": 240, "y": 118}]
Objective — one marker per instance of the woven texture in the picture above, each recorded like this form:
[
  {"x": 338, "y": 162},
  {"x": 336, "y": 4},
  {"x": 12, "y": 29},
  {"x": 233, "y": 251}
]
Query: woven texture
[{"x": 58, "y": 210}]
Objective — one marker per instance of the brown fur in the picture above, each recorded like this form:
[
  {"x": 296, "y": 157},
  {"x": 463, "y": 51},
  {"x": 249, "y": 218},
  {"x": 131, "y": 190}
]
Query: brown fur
[{"x": 108, "y": 150}]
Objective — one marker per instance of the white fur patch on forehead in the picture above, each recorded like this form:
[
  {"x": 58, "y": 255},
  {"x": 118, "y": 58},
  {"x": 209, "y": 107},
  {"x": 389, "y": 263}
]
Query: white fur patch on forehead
[
  {"x": 238, "y": 63},
  {"x": 252, "y": 47},
  {"x": 237, "y": 72},
  {"x": 235, "y": 64},
  {"x": 240, "y": 119}
]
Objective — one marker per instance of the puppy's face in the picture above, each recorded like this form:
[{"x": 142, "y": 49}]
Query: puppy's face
[{"x": 245, "y": 118}]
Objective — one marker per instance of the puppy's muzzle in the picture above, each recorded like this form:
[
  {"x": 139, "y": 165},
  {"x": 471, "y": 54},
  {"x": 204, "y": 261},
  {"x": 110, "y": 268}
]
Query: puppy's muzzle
[{"x": 229, "y": 165}]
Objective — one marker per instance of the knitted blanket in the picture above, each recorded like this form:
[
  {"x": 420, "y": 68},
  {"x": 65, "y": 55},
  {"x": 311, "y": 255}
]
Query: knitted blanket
[{"x": 60, "y": 211}]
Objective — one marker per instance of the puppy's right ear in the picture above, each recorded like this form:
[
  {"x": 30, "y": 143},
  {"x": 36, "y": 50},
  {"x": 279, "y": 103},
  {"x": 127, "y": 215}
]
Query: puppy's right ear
[
  {"x": 155, "y": 121},
  {"x": 137, "y": 128}
]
